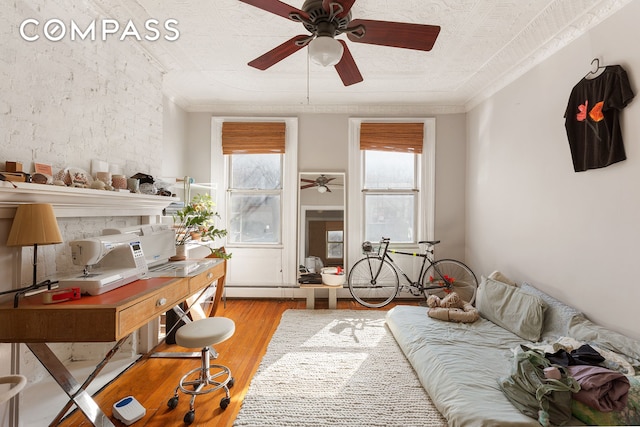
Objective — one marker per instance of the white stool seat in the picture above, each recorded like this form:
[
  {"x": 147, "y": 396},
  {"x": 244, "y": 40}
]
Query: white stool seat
[
  {"x": 205, "y": 332},
  {"x": 206, "y": 378}
]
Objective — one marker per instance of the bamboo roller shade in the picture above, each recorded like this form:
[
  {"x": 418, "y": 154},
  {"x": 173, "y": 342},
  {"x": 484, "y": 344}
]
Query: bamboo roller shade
[
  {"x": 253, "y": 137},
  {"x": 402, "y": 137}
]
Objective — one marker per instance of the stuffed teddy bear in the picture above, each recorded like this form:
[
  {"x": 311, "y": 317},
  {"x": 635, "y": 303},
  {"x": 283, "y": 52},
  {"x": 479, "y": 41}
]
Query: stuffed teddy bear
[{"x": 451, "y": 308}]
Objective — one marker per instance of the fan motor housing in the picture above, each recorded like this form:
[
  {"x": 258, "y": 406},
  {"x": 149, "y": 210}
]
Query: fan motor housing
[{"x": 318, "y": 15}]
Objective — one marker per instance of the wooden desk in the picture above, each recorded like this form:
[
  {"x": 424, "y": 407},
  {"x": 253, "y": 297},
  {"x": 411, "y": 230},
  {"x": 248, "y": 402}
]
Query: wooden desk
[{"x": 109, "y": 317}]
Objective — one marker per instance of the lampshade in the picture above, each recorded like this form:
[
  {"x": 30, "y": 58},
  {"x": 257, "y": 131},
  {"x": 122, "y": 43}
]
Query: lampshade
[
  {"x": 325, "y": 50},
  {"x": 34, "y": 224}
]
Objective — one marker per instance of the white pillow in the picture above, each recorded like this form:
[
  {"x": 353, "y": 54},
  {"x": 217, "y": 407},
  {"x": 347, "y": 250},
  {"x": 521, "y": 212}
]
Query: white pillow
[
  {"x": 510, "y": 308},
  {"x": 497, "y": 275},
  {"x": 558, "y": 315}
]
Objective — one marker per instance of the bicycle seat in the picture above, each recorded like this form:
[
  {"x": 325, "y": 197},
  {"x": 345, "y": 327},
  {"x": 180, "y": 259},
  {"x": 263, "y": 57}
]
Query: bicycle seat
[{"x": 429, "y": 242}]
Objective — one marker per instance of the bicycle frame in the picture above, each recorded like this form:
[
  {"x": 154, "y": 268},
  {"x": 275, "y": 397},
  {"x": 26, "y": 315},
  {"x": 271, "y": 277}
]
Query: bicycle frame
[{"x": 427, "y": 262}]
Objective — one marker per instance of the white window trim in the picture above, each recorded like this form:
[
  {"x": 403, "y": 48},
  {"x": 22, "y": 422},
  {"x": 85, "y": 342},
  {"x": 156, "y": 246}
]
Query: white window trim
[
  {"x": 355, "y": 202},
  {"x": 289, "y": 189}
]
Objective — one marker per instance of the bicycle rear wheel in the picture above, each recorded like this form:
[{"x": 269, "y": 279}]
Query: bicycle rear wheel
[
  {"x": 371, "y": 290},
  {"x": 450, "y": 276}
]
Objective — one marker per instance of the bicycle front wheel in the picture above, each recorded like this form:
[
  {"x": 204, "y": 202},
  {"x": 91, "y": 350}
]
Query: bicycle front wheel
[
  {"x": 448, "y": 275},
  {"x": 373, "y": 282}
]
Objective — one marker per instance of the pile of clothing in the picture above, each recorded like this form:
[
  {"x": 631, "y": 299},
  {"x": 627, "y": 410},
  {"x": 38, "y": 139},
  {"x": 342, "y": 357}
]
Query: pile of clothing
[
  {"x": 543, "y": 383},
  {"x": 600, "y": 388}
]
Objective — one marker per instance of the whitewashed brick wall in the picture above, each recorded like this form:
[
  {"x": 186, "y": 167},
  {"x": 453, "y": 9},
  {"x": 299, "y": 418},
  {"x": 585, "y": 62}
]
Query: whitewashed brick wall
[{"x": 65, "y": 103}]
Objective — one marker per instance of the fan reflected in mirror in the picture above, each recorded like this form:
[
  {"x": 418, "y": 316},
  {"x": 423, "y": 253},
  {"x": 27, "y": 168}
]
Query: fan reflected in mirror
[{"x": 321, "y": 183}]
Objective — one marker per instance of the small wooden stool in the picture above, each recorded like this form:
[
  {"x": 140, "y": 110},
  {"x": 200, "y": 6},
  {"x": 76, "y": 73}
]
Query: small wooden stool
[
  {"x": 204, "y": 334},
  {"x": 311, "y": 297}
]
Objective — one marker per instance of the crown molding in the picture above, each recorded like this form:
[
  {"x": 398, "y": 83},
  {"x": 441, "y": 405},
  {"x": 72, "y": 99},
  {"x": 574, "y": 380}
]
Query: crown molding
[
  {"x": 562, "y": 38},
  {"x": 357, "y": 110}
]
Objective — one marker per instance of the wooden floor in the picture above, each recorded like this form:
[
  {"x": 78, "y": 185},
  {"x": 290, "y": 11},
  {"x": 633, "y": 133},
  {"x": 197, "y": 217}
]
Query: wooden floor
[{"x": 152, "y": 380}]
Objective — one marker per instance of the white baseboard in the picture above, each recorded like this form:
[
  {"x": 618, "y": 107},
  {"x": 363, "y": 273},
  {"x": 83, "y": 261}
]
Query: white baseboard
[{"x": 292, "y": 292}]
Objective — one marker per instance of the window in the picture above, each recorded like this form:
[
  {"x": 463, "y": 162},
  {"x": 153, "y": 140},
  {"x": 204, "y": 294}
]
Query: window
[
  {"x": 335, "y": 244},
  {"x": 255, "y": 166},
  {"x": 255, "y": 195},
  {"x": 393, "y": 171},
  {"x": 390, "y": 190}
]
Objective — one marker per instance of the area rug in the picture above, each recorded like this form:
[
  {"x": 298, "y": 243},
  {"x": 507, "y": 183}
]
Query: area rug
[{"x": 335, "y": 368}]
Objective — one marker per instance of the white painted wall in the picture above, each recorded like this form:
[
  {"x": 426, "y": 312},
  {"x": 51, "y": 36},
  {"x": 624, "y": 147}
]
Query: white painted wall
[
  {"x": 323, "y": 146},
  {"x": 573, "y": 235},
  {"x": 175, "y": 129}
]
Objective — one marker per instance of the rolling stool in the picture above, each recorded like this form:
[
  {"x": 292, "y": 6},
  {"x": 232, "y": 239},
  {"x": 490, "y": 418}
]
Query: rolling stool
[{"x": 204, "y": 334}]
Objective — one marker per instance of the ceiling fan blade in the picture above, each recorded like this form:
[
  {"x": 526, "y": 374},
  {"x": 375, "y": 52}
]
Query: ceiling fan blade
[
  {"x": 395, "y": 34},
  {"x": 347, "y": 68},
  {"x": 346, "y": 6},
  {"x": 277, "y": 54},
  {"x": 302, "y": 187},
  {"x": 277, "y": 7},
  {"x": 308, "y": 180}
]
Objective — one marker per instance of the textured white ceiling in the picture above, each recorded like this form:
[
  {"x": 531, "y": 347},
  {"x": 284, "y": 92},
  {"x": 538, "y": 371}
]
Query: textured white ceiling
[{"x": 483, "y": 45}]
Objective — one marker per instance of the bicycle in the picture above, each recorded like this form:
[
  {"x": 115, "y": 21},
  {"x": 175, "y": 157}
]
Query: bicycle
[{"x": 374, "y": 282}]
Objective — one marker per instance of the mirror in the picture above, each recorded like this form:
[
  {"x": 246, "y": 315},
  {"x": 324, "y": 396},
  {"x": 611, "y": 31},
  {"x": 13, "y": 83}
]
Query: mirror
[{"x": 321, "y": 220}]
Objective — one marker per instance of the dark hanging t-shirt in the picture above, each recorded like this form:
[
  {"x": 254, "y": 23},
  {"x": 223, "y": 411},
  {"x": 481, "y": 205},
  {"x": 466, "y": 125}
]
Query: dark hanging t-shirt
[{"x": 592, "y": 119}]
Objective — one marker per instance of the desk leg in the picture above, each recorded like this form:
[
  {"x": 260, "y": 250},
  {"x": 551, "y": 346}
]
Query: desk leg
[{"x": 68, "y": 383}]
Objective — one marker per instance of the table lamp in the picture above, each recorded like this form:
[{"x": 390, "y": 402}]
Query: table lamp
[{"x": 33, "y": 225}]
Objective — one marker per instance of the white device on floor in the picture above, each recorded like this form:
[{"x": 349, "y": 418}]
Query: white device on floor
[{"x": 128, "y": 410}]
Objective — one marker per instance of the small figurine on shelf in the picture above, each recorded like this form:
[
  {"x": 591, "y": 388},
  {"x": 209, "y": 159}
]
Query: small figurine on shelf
[{"x": 196, "y": 223}]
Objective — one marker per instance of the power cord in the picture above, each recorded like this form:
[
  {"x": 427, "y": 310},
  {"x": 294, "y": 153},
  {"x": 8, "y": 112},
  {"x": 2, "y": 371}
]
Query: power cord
[{"x": 24, "y": 290}]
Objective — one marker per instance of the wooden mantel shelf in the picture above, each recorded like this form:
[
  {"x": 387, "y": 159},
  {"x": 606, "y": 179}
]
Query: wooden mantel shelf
[{"x": 80, "y": 202}]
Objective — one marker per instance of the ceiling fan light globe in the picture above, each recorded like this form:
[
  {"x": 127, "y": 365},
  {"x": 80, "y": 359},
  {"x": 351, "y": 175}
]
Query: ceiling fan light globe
[
  {"x": 322, "y": 189},
  {"x": 325, "y": 51}
]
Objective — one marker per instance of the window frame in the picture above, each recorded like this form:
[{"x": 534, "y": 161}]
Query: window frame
[
  {"x": 426, "y": 180},
  {"x": 254, "y": 192},
  {"x": 340, "y": 242},
  {"x": 413, "y": 192}
]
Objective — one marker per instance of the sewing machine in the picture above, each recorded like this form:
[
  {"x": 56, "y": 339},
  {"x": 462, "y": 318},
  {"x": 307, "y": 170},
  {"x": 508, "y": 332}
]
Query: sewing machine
[
  {"x": 108, "y": 262},
  {"x": 128, "y": 254},
  {"x": 158, "y": 242}
]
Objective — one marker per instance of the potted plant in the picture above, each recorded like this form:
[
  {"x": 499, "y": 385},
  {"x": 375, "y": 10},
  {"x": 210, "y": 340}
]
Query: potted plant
[{"x": 196, "y": 223}]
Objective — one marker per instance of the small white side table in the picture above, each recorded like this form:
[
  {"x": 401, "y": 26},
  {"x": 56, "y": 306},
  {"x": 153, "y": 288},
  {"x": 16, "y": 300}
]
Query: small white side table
[{"x": 311, "y": 294}]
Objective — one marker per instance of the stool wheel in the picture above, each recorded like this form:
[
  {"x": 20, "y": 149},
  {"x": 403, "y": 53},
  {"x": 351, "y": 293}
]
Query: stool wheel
[
  {"x": 189, "y": 417},
  {"x": 231, "y": 382},
  {"x": 224, "y": 402},
  {"x": 173, "y": 402}
]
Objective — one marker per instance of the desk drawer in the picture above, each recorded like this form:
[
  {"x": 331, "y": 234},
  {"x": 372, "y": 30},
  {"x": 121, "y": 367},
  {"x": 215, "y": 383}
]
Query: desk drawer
[
  {"x": 201, "y": 281},
  {"x": 151, "y": 307}
]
